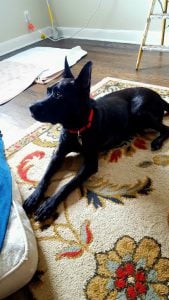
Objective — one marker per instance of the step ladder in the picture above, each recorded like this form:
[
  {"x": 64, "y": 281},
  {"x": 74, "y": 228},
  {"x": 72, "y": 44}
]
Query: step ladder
[{"x": 163, "y": 16}]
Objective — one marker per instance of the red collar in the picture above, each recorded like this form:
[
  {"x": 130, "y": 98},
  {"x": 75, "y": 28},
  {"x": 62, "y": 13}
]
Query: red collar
[{"x": 80, "y": 130}]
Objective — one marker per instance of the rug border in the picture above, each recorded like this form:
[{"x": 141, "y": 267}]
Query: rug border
[
  {"x": 104, "y": 80},
  {"x": 37, "y": 126}
]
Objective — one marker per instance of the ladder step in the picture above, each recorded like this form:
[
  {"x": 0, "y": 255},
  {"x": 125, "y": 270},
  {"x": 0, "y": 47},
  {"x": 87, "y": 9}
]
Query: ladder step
[
  {"x": 159, "y": 16},
  {"x": 163, "y": 16},
  {"x": 156, "y": 48}
]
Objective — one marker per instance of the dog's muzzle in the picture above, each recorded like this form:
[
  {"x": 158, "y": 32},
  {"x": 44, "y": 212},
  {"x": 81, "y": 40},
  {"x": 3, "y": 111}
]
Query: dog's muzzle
[
  {"x": 37, "y": 112},
  {"x": 32, "y": 110}
]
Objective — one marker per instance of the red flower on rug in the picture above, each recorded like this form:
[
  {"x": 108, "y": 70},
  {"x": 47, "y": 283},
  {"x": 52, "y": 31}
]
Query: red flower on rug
[
  {"x": 115, "y": 155},
  {"x": 130, "y": 271},
  {"x": 140, "y": 143},
  {"x": 131, "y": 279},
  {"x": 77, "y": 247},
  {"x": 129, "y": 150},
  {"x": 27, "y": 163}
]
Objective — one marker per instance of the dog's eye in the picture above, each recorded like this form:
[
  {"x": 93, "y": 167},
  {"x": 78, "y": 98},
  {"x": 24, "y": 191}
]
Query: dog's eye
[
  {"x": 57, "y": 94},
  {"x": 49, "y": 91}
]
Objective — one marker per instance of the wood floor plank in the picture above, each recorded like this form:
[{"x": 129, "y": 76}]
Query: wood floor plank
[{"x": 109, "y": 59}]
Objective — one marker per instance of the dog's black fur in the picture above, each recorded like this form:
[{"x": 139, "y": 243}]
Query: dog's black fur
[{"x": 117, "y": 116}]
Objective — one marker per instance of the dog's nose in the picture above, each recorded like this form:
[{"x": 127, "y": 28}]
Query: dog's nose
[{"x": 32, "y": 108}]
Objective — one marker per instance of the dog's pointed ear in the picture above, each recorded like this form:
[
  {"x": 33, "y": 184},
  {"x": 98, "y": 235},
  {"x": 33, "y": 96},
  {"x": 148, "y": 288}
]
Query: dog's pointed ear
[
  {"x": 67, "y": 73},
  {"x": 84, "y": 78}
]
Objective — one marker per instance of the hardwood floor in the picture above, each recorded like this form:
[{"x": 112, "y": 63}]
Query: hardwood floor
[{"x": 109, "y": 59}]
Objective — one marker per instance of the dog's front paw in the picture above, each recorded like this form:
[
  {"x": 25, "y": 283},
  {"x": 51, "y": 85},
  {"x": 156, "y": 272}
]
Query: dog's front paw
[
  {"x": 31, "y": 202},
  {"x": 46, "y": 210}
]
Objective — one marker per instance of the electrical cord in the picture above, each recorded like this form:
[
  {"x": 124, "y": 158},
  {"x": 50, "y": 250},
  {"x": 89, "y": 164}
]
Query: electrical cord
[
  {"x": 79, "y": 30},
  {"x": 89, "y": 20}
]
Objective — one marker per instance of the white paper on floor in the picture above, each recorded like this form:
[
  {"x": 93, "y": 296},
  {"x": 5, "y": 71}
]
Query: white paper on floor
[{"x": 40, "y": 64}]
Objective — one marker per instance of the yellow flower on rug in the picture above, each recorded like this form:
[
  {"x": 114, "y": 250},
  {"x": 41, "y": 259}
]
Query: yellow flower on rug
[{"x": 130, "y": 270}]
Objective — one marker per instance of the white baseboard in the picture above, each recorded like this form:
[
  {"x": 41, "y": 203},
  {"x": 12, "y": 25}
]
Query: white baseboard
[
  {"x": 23, "y": 40},
  {"x": 120, "y": 36}
]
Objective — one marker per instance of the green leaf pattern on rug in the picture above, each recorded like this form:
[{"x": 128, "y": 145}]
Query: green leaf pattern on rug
[
  {"x": 78, "y": 241},
  {"x": 100, "y": 191}
]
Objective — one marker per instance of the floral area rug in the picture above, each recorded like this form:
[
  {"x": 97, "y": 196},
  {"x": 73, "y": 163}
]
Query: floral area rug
[{"x": 112, "y": 242}]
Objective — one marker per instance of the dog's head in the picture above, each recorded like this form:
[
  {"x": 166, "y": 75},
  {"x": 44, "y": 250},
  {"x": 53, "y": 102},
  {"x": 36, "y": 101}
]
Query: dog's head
[{"x": 67, "y": 100}]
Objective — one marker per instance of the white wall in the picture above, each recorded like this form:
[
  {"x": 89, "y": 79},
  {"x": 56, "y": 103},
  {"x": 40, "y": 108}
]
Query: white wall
[
  {"x": 118, "y": 20},
  {"x": 12, "y": 17},
  {"x": 111, "y": 14},
  {"x": 113, "y": 20}
]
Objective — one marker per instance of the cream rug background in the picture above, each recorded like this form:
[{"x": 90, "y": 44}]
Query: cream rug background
[{"x": 112, "y": 243}]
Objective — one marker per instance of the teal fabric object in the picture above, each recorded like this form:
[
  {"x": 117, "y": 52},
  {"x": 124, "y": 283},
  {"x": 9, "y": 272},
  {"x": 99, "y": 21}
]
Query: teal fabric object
[{"x": 5, "y": 193}]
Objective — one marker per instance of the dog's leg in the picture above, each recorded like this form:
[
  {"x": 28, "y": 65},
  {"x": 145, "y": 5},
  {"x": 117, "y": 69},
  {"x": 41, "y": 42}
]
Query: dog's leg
[
  {"x": 164, "y": 134},
  {"x": 58, "y": 157},
  {"x": 147, "y": 120},
  {"x": 158, "y": 126},
  {"x": 47, "y": 208}
]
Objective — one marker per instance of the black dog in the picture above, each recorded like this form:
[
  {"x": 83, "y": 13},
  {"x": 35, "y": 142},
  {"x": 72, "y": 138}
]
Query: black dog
[{"x": 91, "y": 126}]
